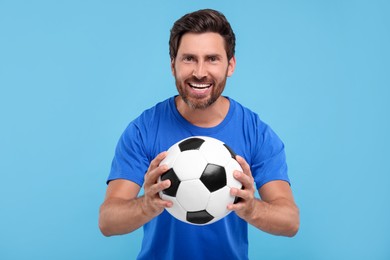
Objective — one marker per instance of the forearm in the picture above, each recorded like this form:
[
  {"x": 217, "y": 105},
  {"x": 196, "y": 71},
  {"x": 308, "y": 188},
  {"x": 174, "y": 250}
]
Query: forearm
[
  {"x": 279, "y": 217},
  {"x": 119, "y": 216}
]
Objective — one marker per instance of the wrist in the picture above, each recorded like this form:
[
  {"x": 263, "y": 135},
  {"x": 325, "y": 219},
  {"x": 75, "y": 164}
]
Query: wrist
[
  {"x": 147, "y": 210},
  {"x": 256, "y": 211}
]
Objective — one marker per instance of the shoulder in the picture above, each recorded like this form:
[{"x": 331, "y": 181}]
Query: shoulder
[
  {"x": 248, "y": 116},
  {"x": 157, "y": 110},
  {"x": 147, "y": 129},
  {"x": 151, "y": 115},
  {"x": 255, "y": 131},
  {"x": 144, "y": 124}
]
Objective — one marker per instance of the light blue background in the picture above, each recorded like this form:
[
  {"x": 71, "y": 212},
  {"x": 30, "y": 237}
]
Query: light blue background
[{"x": 74, "y": 73}]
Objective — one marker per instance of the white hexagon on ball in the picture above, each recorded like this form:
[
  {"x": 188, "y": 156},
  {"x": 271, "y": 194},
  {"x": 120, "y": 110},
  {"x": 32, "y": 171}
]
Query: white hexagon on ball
[
  {"x": 193, "y": 195},
  {"x": 218, "y": 202},
  {"x": 189, "y": 165},
  {"x": 232, "y": 166},
  {"x": 176, "y": 209},
  {"x": 215, "y": 152},
  {"x": 170, "y": 159}
]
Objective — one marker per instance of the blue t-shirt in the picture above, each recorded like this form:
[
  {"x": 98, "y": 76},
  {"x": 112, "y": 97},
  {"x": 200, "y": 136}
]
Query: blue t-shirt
[{"x": 161, "y": 126}]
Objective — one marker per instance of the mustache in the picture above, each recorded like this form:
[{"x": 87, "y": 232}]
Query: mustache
[{"x": 204, "y": 80}]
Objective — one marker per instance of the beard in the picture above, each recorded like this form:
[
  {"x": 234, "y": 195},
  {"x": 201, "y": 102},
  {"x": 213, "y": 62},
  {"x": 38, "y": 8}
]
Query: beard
[{"x": 199, "y": 101}]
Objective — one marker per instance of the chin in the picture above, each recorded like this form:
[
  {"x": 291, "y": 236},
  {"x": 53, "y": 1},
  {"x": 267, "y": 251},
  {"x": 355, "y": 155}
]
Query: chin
[{"x": 199, "y": 104}]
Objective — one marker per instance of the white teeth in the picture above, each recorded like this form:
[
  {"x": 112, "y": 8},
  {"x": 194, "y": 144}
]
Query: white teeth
[{"x": 195, "y": 85}]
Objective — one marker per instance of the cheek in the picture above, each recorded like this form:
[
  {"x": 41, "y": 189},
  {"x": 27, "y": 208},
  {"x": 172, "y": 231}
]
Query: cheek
[
  {"x": 218, "y": 72},
  {"x": 219, "y": 76},
  {"x": 181, "y": 73}
]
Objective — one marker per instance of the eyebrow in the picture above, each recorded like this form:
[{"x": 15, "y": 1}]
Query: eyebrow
[{"x": 207, "y": 55}]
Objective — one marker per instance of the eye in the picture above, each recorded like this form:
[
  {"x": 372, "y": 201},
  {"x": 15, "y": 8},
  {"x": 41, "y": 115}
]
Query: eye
[
  {"x": 188, "y": 59},
  {"x": 213, "y": 59}
]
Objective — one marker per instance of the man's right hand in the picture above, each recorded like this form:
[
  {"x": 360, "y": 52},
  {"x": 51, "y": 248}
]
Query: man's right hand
[
  {"x": 123, "y": 211},
  {"x": 152, "y": 204}
]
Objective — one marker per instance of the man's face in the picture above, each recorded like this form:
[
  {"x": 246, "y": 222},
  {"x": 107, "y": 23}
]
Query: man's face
[{"x": 201, "y": 68}]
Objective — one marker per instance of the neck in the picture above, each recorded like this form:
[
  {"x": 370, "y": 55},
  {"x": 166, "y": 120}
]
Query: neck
[{"x": 208, "y": 117}]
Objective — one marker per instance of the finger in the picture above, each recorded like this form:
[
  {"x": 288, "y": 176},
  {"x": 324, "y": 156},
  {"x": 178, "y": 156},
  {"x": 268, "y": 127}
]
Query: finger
[
  {"x": 235, "y": 207},
  {"x": 152, "y": 191},
  {"x": 156, "y": 161},
  {"x": 160, "y": 186},
  {"x": 243, "y": 194},
  {"x": 155, "y": 170},
  {"x": 244, "y": 165},
  {"x": 245, "y": 180},
  {"x": 152, "y": 176},
  {"x": 165, "y": 203}
]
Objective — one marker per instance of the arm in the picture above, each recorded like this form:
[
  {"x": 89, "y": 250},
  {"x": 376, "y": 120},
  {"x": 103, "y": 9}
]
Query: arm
[
  {"x": 276, "y": 212},
  {"x": 123, "y": 212}
]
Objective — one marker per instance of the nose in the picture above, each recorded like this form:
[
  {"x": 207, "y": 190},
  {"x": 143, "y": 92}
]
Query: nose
[{"x": 199, "y": 70}]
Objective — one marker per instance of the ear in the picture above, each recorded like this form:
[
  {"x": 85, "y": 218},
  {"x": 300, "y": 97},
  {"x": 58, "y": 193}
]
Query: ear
[
  {"x": 173, "y": 66},
  {"x": 231, "y": 66}
]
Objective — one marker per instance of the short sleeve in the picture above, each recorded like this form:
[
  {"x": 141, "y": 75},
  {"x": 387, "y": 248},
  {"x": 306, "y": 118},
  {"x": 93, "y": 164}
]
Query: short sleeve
[
  {"x": 269, "y": 158},
  {"x": 130, "y": 160}
]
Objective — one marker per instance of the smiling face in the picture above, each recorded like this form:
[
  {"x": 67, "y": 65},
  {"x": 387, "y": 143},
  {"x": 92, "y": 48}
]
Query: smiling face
[{"x": 201, "y": 68}]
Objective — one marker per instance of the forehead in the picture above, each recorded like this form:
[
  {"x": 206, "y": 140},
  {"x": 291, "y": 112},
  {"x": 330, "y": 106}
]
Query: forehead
[{"x": 202, "y": 44}]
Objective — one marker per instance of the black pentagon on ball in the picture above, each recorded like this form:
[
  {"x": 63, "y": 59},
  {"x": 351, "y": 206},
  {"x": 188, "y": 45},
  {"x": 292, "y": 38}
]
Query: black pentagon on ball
[
  {"x": 191, "y": 144},
  {"x": 199, "y": 217},
  {"x": 175, "y": 182},
  {"x": 214, "y": 177}
]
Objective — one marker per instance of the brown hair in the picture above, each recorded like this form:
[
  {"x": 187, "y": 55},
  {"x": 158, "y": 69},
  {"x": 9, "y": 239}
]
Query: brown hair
[{"x": 206, "y": 20}]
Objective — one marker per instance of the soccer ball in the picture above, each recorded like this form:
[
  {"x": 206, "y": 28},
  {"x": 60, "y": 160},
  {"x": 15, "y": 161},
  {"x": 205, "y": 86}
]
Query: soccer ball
[{"x": 201, "y": 174}]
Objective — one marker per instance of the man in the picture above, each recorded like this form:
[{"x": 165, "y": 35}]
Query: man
[{"x": 202, "y": 57}]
